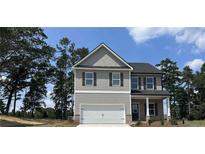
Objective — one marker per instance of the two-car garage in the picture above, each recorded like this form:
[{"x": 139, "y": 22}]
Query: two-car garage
[
  {"x": 102, "y": 113},
  {"x": 102, "y": 108}
]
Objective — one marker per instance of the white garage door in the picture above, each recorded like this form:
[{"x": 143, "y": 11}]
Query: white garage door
[{"x": 99, "y": 114}]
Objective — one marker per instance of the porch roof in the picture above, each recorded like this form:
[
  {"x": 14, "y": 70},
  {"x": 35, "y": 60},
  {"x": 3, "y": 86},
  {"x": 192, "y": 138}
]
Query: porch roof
[{"x": 150, "y": 92}]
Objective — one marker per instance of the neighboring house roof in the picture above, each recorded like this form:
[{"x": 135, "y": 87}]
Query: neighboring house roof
[
  {"x": 109, "y": 49},
  {"x": 144, "y": 68},
  {"x": 151, "y": 92}
]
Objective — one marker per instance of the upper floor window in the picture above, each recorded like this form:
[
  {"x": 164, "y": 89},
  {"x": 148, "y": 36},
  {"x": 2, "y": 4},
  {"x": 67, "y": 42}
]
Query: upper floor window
[
  {"x": 89, "y": 78},
  {"x": 150, "y": 82},
  {"x": 115, "y": 79},
  {"x": 134, "y": 83}
]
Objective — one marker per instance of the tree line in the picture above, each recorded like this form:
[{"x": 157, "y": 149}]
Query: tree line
[
  {"x": 28, "y": 64},
  {"x": 187, "y": 89}
]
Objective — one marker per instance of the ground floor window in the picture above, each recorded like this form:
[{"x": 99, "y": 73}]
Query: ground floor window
[{"x": 152, "y": 111}]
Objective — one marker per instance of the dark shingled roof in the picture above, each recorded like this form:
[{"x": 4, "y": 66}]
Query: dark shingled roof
[
  {"x": 151, "y": 92},
  {"x": 144, "y": 68}
]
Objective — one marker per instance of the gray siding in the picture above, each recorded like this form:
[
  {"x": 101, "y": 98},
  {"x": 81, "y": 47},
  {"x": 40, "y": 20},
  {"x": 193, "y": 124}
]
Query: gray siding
[
  {"x": 102, "y": 81},
  {"x": 92, "y": 98},
  {"x": 103, "y": 57}
]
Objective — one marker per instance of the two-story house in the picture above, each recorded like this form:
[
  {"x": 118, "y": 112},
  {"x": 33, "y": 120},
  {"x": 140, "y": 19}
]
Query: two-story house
[{"x": 110, "y": 90}]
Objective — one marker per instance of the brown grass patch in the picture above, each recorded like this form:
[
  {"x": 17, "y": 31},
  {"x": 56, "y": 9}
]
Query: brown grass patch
[{"x": 10, "y": 121}]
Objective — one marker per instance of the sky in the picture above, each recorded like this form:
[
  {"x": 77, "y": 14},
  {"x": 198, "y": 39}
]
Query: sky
[{"x": 186, "y": 46}]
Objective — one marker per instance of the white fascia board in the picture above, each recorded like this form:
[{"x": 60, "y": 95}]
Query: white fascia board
[
  {"x": 95, "y": 68},
  {"x": 148, "y": 96},
  {"x": 102, "y": 92}
]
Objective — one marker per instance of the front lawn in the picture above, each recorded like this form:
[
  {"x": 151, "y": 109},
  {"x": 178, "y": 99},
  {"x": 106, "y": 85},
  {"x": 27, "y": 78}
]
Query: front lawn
[
  {"x": 193, "y": 123},
  {"x": 9, "y": 121}
]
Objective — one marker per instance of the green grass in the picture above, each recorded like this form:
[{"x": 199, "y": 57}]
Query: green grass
[{"x": 195, "y": 123}]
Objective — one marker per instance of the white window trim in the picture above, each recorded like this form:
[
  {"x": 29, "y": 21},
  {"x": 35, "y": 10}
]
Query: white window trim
[
  {"x": 89, "y": 79},
  {"x": 153, "y": 110},
  {"x": 149, "y": 83},
  {"x": 116, "y": 79},
  {"x": 137, "y": 83}
]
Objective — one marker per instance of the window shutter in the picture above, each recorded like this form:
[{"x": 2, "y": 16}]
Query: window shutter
[
  {"x": 161, "y": 83},
  {"x": 145, "y": 109},
  {"x": 144, "y": 83},
  {"x": 110, "y": 77},
  {"x": 139, "y": 83},
  {"x": 156, "y": 109},
  {"x": 83, "y": 78},
  {"x": 155, "y": 84},
  {"x": 95, "y": 79},
  {"x": 121, "y": 78}
]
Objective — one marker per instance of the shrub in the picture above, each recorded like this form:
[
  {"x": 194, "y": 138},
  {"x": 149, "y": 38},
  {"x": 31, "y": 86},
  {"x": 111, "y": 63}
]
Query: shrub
[
  {"x": 195, "y": 115},
  {"x": 138, "y": 123},
  {"x": 19, "y": 114},
  {"x": 162, "y": 121},
  {"x": 2, "y": 107},
  {"x": 183, "y": 121},
  {"x": 173, "y": 121},
  {"x": 40, "y": 113},
  {"x": 150, "y": 121},
  {"x": 51, "y": 113}
]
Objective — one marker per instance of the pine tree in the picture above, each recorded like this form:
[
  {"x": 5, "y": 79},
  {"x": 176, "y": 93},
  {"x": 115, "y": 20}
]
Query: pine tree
[
  {"x": 187, "y": 84},
  {"x": 37, "y": 91},
  {"x": 23, "y": 52},
  {"x": 63, "y": 89},
  {"x": 170, "y": 79},
  {"x": 198, "y": 111}
]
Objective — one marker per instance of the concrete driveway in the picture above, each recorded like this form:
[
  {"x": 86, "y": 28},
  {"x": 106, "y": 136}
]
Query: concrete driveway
[{"x": 103, "y": 125}]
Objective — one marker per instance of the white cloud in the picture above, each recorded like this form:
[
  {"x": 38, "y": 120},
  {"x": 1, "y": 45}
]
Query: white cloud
[
  {"x": 3, "y": 78},
  {"x": 194, "y": 36},
  {"x": 49, "y": 93},
  {"x": 179, "y": 52},
  {"x": 195, "y": 64}
]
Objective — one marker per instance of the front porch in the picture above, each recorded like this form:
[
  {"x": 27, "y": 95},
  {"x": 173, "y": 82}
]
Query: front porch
[{"x": 145, "y": 108}]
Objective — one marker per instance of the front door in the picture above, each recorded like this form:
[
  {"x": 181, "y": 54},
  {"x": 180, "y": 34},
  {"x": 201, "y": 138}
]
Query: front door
[{"x": 135, "y": 112}]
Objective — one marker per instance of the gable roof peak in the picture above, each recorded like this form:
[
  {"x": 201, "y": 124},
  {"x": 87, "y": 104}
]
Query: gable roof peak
[{"x": 109, "y": 49}]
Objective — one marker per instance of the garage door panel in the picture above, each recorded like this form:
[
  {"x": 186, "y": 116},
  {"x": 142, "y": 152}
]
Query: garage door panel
[{"x": 102, "y": 114}]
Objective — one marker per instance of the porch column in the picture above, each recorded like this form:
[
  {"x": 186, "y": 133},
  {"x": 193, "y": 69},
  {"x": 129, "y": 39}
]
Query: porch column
[
  {"x": 147, "y": 110},
  {"x": 168, "y": 109}
]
